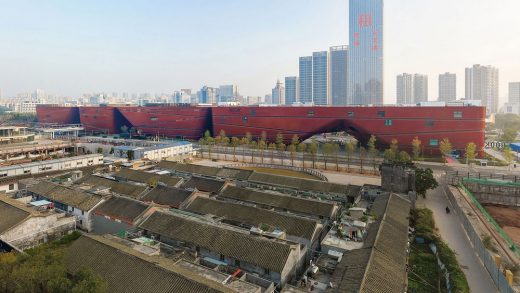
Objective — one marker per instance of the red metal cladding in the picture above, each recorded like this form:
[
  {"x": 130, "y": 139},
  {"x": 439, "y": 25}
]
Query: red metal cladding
[
  {"x": 100, "y": 119},
  {"x": 57, "y": 114},
  {"x": 461, "y": 125},
  {"x": 170, "y": 121}
]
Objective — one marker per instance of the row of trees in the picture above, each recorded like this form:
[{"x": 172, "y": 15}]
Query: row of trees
[{"x": 329, "y": 150}]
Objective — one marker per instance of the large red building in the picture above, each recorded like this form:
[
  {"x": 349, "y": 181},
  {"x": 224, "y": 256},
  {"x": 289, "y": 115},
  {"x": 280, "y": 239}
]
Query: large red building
[{"x": 460, "y": 124}]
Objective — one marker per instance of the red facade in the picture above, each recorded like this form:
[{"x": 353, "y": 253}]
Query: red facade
[
  {"x": 461, "y": 125},
  {"x": 57, "y": 115}
]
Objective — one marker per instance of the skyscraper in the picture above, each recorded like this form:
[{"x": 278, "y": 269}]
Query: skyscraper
[
  {"x": 514, "y": 92},
  {"x": 420, "y": 88},
  {"x": 447, "y": 87},
  {"x": 404, "y": 89},
  {"x": 278, "y": 94},
  {"x": 228, "y": 93},
  {"x": 338, "y": 75},
  {"x": 320, "y": 77},
  {"x": 208, "y": 95},
  {"x": 482, "y": 84},
  {"x": 365, "y": 62},
  {"x": 291, "y": 90},
  {"x": 305, "y": 65}
]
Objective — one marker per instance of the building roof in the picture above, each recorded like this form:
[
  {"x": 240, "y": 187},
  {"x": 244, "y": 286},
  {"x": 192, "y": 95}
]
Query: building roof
[
  {"x": 204, "y": 184},
  {"x": 10, "y": 214},
  {"x": 121, "y": 208},
  {"x": 290, "y": 203},
  {"x": 125, "y": 271},
  {"x": 263, "y": 252},
  {"x": 205, "y": 170},
  {"x": 253, "y": 216},
  {"x": 71, "y": 197},
  {"x": 146, "y": 177},
  {"x": 169, "y": 196},
  {"x": 298, "y": 183},
  {"x": 380, "y": 266},
  {"x": 123, "y": 188}
]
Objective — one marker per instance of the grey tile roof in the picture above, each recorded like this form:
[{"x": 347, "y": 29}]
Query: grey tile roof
[
  {"x": 126, "y": 272},
  {"x": 380, "y": 266},
  {"x": 10, "y": 215},
  {"x": 205, "y": 170},
  {"x": 204, "y": 184},
  {"x": 72, "y": 197},
  {"x": 123, "y": 188},
  {"x": 290, "y": 203},
  {"x": 253, "y": 216},
  {"x": 260, "y": 251},
  {"x": 298, "y": 183},
  {"x": 124, "y": 209},
  {"x": 164, "y": 195},
  {"x": 146, "y": 177}
]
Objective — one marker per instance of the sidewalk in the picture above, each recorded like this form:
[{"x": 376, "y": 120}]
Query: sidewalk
[{"x": 453, "y": 233}]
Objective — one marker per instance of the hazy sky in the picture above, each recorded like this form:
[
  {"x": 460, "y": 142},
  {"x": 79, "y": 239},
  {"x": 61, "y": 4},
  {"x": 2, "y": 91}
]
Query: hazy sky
[{"x": 72, "y": 47}]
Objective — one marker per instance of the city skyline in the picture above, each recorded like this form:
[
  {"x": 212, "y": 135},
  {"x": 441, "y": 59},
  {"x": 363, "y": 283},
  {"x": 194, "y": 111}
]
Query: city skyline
[{"x": 75, "y": 58}]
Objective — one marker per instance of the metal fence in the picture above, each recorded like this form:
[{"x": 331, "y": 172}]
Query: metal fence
[{"x": 494, "y": 271}]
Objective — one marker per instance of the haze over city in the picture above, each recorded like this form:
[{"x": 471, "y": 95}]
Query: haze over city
[{"x": 74, "y": 48}]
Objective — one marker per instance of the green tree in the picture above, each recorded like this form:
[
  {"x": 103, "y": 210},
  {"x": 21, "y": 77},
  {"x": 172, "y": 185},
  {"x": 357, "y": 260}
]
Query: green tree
[
  {"x": 508, "y": 155},
  {"x": 326, "y": 152},
  {"x": 210, "y": 141},
  {"x": 362, "y": 156},
  {"x": 445, "y": 147},
  {"x": 235, "y": 141},
  {"x": 244, "y": 142},
  {"x": 372, "y": 150},
  {"x": 471, "y": 152},
  {"x": 292, "y": 151},
  {"x": 313, "y": 149},
  {"x": 279, "y": 139},
  {"x": 281, "y": 150},
  {"x": 349, "y": 149},
  {"x": 389, "y": 155},
  {"x": 302, "y": 148},
  {"x": 404, "y": 157},
  {"x": 272, "y": 148},
  {"x": 295, "y": 140},
  {"x": 254, "y": 145},
  {"x": 99, "y": 150},
  {"x": 424, "y": 181},
  {"x": 335, "y": 150},
  {"x": 262, "y": 146},
  {"x": 416, "y": 148},
  {"x": 509, "y": 135},
  {"x": 394, "y": 146}
]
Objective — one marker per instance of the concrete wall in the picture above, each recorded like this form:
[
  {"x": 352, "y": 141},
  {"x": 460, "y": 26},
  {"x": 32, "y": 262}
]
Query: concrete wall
[{"x": 37, "y": 230}]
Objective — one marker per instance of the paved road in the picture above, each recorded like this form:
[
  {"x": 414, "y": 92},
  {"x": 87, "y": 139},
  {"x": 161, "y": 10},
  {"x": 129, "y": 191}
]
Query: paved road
[{"x": 453, "y": 233}]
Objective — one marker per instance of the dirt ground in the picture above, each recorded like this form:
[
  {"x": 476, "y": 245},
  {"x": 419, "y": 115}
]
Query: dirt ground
[{"x": 508, "y": 218}]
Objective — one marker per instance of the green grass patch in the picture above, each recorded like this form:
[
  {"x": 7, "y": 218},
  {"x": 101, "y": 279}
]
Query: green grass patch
[
  {"x": 424, "y": 224},
  {"x": 424, "y": 275},
  {"x": 282, "y": 172}
]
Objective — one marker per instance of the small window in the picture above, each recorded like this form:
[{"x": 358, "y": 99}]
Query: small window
[
  {"x": 72, "y": 209},
  {"x": 388, "y": 122},
  {"x": 380, "y": 113},
  {"x": 429, "y": 122},
  {"x": 82, "y": 213},
  {"x": 267, "y": 271},
  {"x": 81, "y": 222},
  {"x": 252, "y": 112},
  {"x": 154, "y": 118},
  {"x": 350, "y": 114},
  {"x": 457, "y": 114},
  {"x": 237, "y": 263},
  {"x": 245, "y": 118},
  {"x": 222, "y": 257},
  {"x": 434, "y": 142},
  {"x": 310, "y": 114},
  {"x": 11, "y": 186},
  {"x": 26, "y": 171}
]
